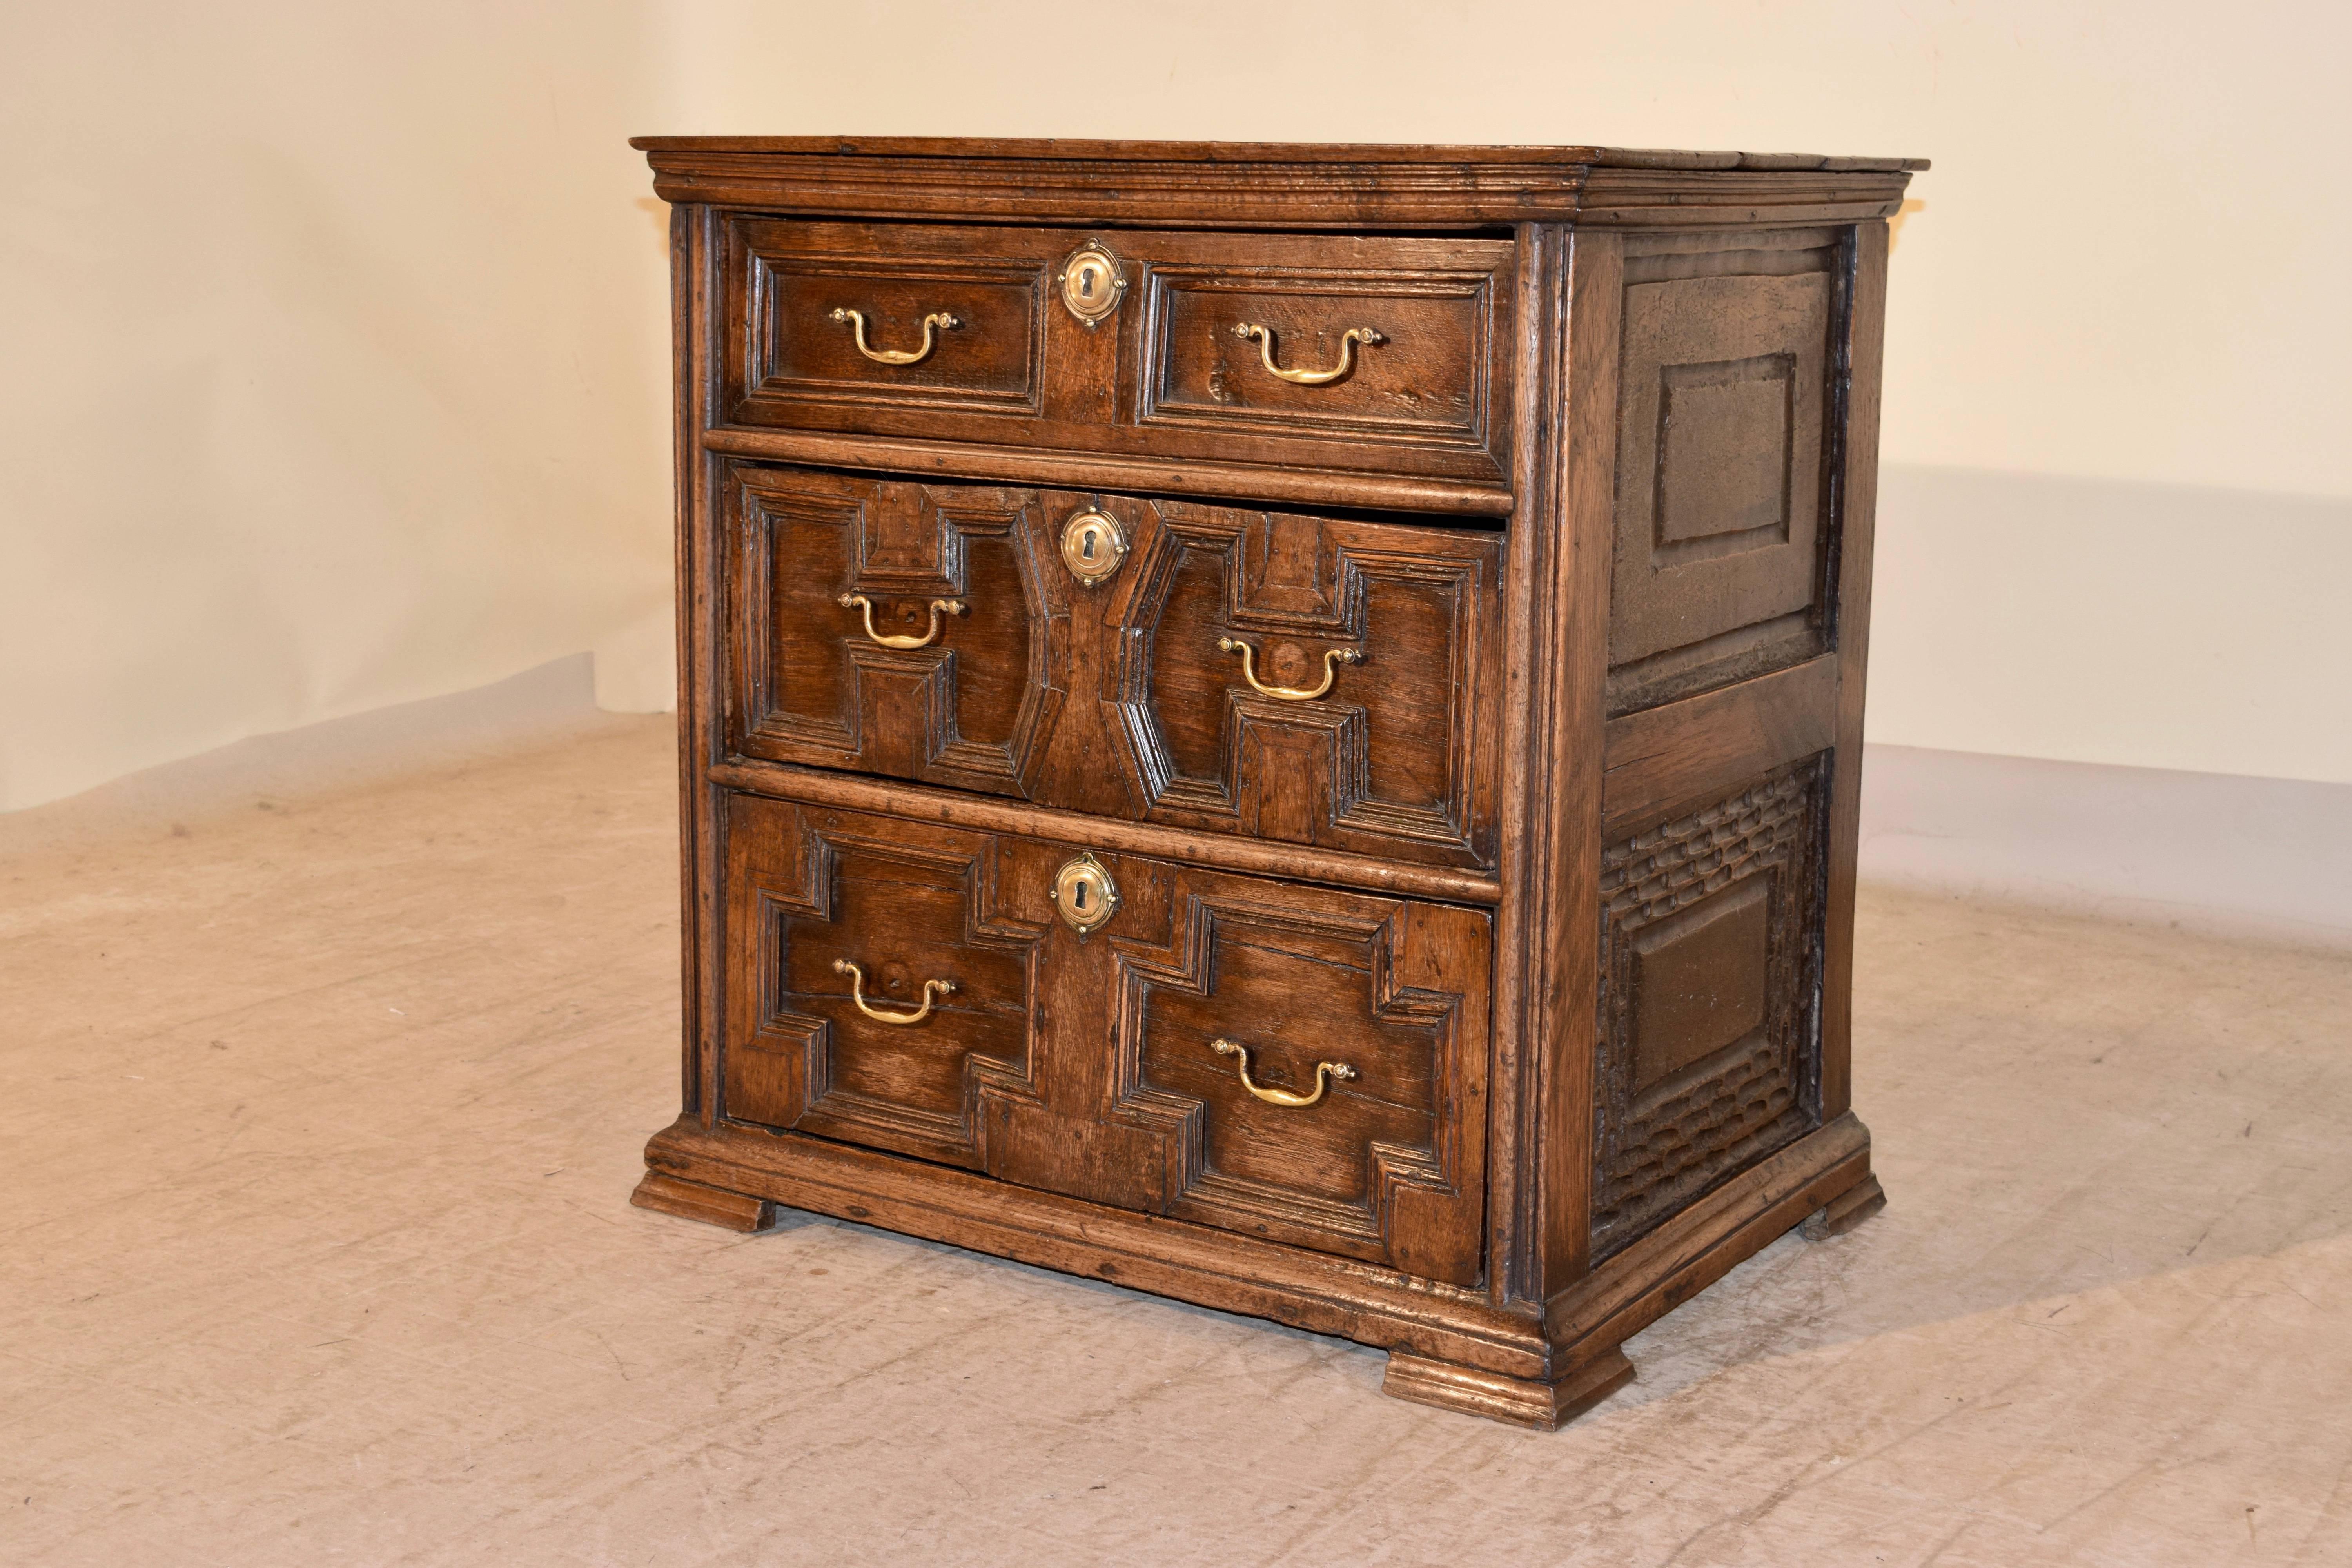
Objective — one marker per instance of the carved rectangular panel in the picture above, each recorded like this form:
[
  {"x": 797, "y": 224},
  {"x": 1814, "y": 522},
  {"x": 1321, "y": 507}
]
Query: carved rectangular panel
[
  {"x": 1163, "y": 377},
  {"x": 1424, "y": 377},
  {"x": 1710, "y": 1030},
  {"x": 1728, "y": 429},
  {"x": 880, "y": 1055},
  {"x": 796, "y": 359}
]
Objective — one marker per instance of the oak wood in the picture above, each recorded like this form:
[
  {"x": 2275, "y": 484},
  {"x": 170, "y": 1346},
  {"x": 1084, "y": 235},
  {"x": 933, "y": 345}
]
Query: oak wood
[
  {"x": 1257, "y": 856},
  {"x": 694, "y": 1200},
  {"x": 1845, "y": 1211},
  {"x": 1561, "y": 872},
  {"x": 1858, "y": 507},
  {"x": 1323, "y": 1292},
  {"x": 1542, "y": 1403},
  {"x": 1171, "y": 378},
  {"x": 1272, "y": 184},
  {"x": 1123, "y": 698},
  {"x": 1660, "y": 760}
]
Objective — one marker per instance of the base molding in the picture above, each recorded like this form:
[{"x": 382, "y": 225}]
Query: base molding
[
  {"x": 1449, "y": 1347},
  {"x": 694, "y": 1200},
  {"x": 1521, "y": 1401},
  {"x": 1845, "y": 1211}
]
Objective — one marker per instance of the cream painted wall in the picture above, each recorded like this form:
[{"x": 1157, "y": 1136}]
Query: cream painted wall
[
  {"x": 336, "y": 349},
  {"x": 349, "y": 386}
]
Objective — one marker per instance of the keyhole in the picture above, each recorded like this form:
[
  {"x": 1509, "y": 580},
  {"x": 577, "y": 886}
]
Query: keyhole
[
  {"x": 1087, "y": 282},
  {"x": 1087, "y": 544},
  {"x": 1078, "y": 897}
]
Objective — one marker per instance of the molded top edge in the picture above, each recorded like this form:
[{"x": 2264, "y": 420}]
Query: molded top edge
[{"x": 1050, "y": 148}]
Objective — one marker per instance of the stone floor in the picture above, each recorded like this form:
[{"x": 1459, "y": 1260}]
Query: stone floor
[{"x": 322, "y": 1112}]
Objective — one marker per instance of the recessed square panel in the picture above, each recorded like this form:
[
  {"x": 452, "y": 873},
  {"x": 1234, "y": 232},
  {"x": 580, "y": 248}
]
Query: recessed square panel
[
  {"x": 1700, "y": 982},
  {"x": 1709, "y": 1055},
  {"x": 1724, "y": 440},
  {"x": 1723, "y": 457}
]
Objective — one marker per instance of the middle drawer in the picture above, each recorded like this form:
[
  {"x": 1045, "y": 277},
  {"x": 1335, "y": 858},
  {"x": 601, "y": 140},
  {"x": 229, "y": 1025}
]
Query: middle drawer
[{"x": 1314, "y": 680}]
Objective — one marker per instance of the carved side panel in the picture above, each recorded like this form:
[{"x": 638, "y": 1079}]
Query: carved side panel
[
  {"x": 1710, "y": 1027},
  {"x": 1387, "y": 1164},
  {"x": 906, "y": 904},
  {"x": 1393, "y": 759},
  {"x": 973, "y": 709},
  {"x": 1730, "y": 404}
]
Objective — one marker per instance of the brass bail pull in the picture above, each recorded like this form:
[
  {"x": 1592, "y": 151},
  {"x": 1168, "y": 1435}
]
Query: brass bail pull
[
  {"x": 938, "y": 609},
  {"x": 1324, "y": 1073},
  {"x": 1332, "y": 658},
  {"x": 933, "y": 990},
  {"x": 1348, "y": 342},
  {"x": 933, "y": 324}
]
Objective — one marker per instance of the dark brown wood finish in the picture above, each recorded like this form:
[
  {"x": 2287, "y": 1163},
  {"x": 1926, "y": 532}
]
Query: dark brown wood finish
[
  {"x": 1469, "y": 976},
  {"x": 1126, "y": 695},
  {"x": 976, "y": 349}
]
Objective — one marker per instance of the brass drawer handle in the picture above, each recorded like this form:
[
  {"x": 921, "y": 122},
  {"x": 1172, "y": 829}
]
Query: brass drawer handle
[
  {"x": 932, "y": 989},
  {"x": 933, "y": 324},
  {"x": 1331, "y": 657},
  {"x": 1348, "y": 342},
  {"x": 938, "y": 607},
  {"x": 1324, "y": 1073}
]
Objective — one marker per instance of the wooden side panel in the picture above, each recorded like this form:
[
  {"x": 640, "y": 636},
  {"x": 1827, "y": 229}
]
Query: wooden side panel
[
  {"x": 1709, "y": 1051},
  {"x": 1857, "y": 499},
  {"x": 1724, "y": 518}
]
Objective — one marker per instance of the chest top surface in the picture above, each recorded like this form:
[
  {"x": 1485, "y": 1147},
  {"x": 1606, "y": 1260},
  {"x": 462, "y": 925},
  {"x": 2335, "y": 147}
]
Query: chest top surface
[{"x": 1318, "y": 185}]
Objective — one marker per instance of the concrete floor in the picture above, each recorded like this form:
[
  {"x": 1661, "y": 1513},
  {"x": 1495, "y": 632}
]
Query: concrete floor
[{"x": 322, "y": 1112}]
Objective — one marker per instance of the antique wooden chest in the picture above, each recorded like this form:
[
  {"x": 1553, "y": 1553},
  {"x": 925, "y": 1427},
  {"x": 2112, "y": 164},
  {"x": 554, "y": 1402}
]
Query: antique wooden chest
[{"x": 1279, "y": 725}]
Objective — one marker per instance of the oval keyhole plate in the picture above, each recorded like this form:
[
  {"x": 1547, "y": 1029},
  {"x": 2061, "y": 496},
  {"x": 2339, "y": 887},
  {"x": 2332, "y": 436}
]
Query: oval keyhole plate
[
  {"x": 1092, "y": 545},
  {"x": 1092, "y": 284},
  {"x": 1084, "y": 894}
]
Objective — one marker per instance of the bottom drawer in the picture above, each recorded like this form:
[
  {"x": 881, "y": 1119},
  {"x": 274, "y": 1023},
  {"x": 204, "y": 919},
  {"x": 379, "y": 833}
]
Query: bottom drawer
[{"x": 1296, "y": 1063}]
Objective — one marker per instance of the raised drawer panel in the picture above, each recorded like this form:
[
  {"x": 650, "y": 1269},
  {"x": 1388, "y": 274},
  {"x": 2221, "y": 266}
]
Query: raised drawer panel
[
  {"x": 1355, "y": 353},
  {"x": 1423, "y": 313},
  {"x": 875, "y": 990},
  {"x": 1089, "y": 1062},
  {"x": 1312, "y": 679}
]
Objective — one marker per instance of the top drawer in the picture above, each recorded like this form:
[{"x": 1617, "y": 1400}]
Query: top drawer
[{"x": 1375, "y": 354}]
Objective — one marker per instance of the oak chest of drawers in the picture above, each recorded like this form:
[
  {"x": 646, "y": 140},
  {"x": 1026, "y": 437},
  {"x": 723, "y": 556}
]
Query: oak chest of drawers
[{"x": 1279, "y": 725}]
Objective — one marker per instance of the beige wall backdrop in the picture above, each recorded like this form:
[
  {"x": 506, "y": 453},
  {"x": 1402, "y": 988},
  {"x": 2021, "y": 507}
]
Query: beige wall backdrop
[{"x": 337, "y": 373}]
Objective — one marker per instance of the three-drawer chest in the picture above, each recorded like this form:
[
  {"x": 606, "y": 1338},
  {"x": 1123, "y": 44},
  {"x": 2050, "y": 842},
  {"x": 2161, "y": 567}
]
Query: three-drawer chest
[{"x": 1279, "y": 725}]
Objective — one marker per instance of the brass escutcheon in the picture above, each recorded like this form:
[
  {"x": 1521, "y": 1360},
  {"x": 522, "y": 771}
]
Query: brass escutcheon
[
  {"x": 1084, "y": 894},
  {"x": 1091, "y": 283},
  {"x": 1093, "y": 544}
]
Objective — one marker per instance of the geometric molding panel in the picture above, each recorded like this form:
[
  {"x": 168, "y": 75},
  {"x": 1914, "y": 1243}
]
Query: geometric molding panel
[
  {"x": 1390, "y": 758},
  {"x": 1731, "y": 420},
  {"x": 1710, "y": 1036}
]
